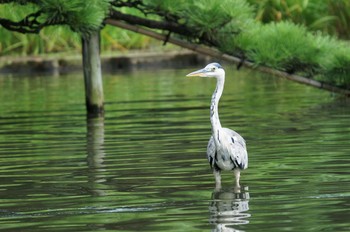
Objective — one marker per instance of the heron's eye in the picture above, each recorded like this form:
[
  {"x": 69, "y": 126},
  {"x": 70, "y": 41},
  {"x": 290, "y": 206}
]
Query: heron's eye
[{"x": 213, "y": 69}]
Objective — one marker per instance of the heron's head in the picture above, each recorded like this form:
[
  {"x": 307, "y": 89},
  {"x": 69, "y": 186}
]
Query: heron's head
[{"x": 211, "y": 70}]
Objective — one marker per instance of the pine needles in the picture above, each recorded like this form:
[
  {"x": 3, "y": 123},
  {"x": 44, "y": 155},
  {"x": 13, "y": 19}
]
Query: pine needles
[
  {"x": 228, "y": 25},
  {"x": 286, "y": 46},
  {"x": 291, "y": 48}
]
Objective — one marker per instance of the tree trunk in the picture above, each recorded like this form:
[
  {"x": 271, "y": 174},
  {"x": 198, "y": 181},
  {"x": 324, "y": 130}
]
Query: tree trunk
[{"x": 92, "y": 74}]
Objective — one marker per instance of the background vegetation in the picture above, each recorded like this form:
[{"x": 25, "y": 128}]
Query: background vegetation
[
  {"x": 329, "y": 16},
  {"x": 332, "y": 17},
  {"x": 56, "y": 39},
  {"x": 293, "y": 36}
]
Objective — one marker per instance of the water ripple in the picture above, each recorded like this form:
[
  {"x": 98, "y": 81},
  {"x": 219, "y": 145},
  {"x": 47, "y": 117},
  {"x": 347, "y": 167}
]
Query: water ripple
[{"x": 143, "y": 166}]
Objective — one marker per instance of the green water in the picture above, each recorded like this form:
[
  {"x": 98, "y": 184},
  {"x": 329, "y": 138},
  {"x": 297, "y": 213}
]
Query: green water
[{"x": 143, "y": 167}]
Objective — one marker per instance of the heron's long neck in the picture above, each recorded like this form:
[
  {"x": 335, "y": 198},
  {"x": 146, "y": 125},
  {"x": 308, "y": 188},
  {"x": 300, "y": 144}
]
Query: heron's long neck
[{"x": 214, "y": 113}]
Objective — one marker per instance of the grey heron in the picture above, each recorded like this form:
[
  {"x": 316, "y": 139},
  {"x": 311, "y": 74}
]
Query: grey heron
[{"x": 226, "y": 149}]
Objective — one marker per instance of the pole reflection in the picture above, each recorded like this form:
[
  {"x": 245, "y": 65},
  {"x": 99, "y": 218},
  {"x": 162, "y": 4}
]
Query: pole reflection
[
  {"x": 95, "y": 154},
  {"x": 229, "y": 208}
]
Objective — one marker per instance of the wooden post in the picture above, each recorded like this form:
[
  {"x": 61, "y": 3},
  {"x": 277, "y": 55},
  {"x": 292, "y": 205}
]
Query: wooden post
[
  {"x": 92, "y": 74},
  {"x": 95, "y": 154}
]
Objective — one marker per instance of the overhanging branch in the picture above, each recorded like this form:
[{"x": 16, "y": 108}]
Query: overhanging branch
[
  {"x": 189, "y": 33},
  {"x": 163, "y": 25},
  {"x": 219, "y": 55},
  {"x": 29, "y": 24},
  {"x": 128, "y": 3}
]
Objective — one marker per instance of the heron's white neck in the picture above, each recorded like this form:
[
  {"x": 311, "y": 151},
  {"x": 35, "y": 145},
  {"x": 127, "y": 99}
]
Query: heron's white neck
[{"x": 214, "y": 113}]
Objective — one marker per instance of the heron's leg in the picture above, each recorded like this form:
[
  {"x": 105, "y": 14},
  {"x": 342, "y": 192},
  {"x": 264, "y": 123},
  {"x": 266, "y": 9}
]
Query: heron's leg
[
  {"x": 237, "y": 174},
  {"x": 217, "y": 176}
]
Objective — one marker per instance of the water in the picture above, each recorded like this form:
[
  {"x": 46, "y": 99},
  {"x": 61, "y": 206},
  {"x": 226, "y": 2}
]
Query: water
[{"x": 143, "y": 167}]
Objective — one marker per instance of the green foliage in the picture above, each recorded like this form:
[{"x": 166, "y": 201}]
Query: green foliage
[
  {"x": 81, "y": 17},
  {"x": 210, "y": 22},
  {"x": 228, "y": 25},
  {"x": 60, "y": 38},
  {"x": 220, "y": 21},
  {"x": 291, "y": 48},
  {"x": 283, "y": 45},
  {"x": 329, "y": 16},
  {"x": 277, "y": 45},
  {"x": 337, "y": 64},
  {"x": 50, "y": 39}
]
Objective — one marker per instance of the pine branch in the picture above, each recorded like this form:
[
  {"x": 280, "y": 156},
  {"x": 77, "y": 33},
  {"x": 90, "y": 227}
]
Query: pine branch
[
  {"x": 81, "y": 18},
  {"x": 127, "y": 3},
  {"x": 29, "y": 24},
  {"x": 190, "y": 33},
  {"x": 163, "y": 25},
  {"x": 21, "y": 2},
  {"x": 222, "y": 56}
]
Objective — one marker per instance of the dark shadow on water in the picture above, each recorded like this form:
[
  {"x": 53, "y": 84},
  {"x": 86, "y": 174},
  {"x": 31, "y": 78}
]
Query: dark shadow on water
[{"x": 229, "y": 208}]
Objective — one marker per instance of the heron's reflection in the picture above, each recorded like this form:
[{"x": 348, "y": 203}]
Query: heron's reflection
[
  {"x": 95, "y": 153},
  {"x": 228, "y": 208}
]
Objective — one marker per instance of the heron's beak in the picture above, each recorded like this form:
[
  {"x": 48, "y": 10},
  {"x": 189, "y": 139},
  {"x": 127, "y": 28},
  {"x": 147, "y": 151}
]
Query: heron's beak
[{"x": 198, "y": 73}]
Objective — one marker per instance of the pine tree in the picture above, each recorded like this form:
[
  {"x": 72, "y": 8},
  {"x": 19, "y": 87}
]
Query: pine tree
[
  {"x": 81, "y": 16},
  {"x": 227, "y": 25}
]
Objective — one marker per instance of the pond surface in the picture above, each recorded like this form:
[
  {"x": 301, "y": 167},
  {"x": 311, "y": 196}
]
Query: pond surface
[{"x": 143, "y": 167}]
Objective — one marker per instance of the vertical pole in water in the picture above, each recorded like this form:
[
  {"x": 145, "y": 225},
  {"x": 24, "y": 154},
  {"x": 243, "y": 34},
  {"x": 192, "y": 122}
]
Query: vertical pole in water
[{"x": 92, "y": 74}]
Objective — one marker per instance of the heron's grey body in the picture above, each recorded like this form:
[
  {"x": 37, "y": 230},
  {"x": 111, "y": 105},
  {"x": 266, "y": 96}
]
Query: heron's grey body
[{"x": 226, "y": 148}]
